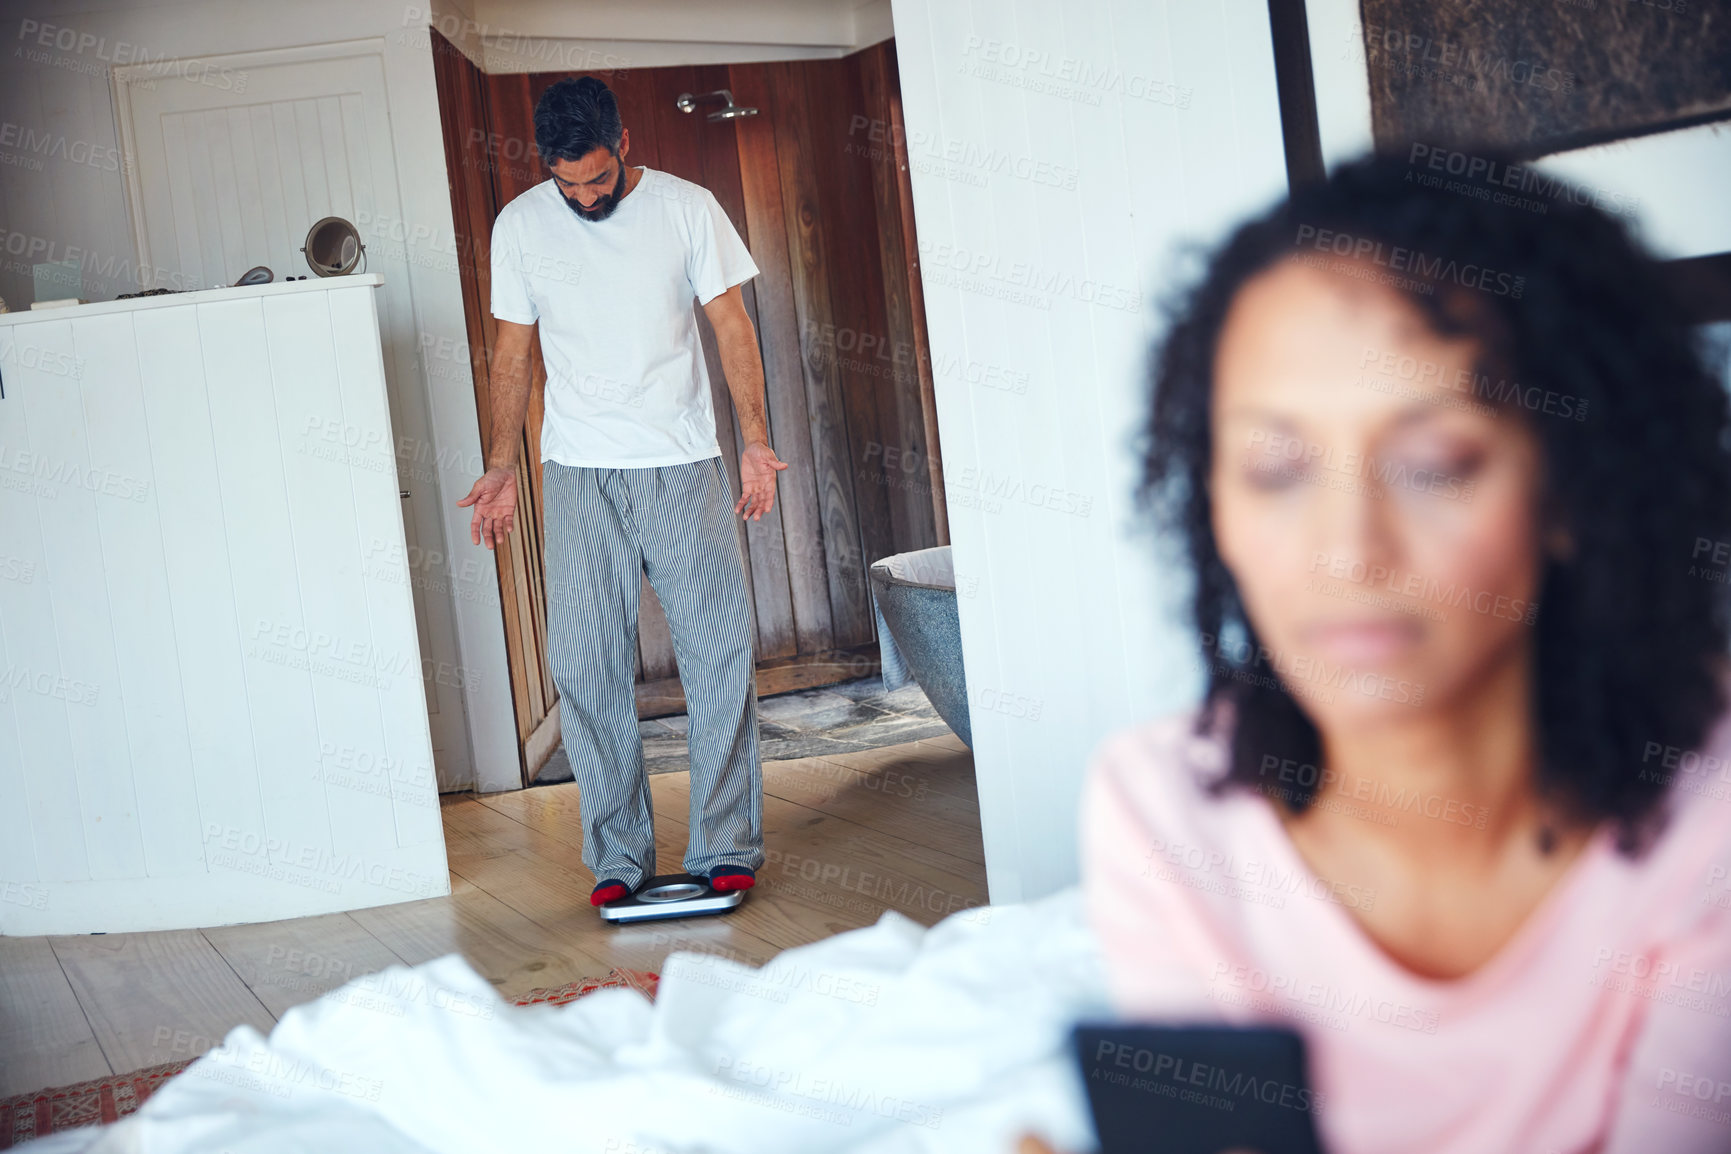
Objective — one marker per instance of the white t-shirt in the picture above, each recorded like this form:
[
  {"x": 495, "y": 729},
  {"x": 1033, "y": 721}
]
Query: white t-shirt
[{"x": 626, "y": 382}]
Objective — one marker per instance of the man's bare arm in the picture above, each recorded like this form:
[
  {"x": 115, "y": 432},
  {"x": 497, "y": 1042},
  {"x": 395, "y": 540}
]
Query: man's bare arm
[
  {"x": 736, "y": 341},
  {"x": 494, "y": 496},
  {"x": 508, "y": 391}
]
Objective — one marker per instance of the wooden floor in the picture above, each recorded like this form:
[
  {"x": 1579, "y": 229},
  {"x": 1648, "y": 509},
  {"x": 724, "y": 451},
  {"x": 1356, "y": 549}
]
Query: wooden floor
[{"x": 847, "y": 837}]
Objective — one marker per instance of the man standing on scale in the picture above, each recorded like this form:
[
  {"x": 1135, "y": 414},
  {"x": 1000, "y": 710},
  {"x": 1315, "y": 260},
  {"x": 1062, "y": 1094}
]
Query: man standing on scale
[{"x": 608, "y": 259}]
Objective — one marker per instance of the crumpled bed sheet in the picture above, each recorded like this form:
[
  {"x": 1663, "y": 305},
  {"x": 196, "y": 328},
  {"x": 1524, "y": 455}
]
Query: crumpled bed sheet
[{"x": 891, "y": 1039}]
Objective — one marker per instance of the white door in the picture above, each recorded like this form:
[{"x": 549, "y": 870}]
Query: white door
[{"x": 235, "y": 160}]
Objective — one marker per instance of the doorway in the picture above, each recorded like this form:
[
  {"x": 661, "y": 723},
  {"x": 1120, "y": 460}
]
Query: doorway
[{"x": 816, "y": 183}]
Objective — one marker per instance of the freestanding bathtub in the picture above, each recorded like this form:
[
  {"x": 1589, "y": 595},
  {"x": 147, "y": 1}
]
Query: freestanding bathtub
[{"x": 919, "y": 634}]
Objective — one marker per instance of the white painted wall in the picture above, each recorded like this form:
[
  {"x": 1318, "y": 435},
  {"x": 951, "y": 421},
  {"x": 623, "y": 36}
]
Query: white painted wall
[
  {"x": 1338, "y": 69},
  {"x": 1676, "y": 186},
  {"x": 1130, "y": 128}
]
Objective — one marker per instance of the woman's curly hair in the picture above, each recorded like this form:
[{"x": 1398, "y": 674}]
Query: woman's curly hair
[{"x": 1630, "y": 638}]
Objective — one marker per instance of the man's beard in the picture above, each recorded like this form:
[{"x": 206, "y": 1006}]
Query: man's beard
[{"x": 604, "y": 205}]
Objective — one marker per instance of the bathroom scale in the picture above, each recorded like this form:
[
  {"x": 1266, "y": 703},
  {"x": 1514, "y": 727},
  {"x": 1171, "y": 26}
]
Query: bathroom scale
[
  {"x": 1197, "y": 1089},
  {"x": 671, "y": 896}
]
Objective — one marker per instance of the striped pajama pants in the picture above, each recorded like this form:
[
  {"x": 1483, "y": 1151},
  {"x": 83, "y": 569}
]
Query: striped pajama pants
[{"x": 606, "y": 529}]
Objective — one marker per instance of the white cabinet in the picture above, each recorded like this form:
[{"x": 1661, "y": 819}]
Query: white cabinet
[{"x": 211, "y": 702}]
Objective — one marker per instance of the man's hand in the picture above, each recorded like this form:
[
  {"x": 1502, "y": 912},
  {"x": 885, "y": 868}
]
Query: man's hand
[
  {"x": 736, "y": 341},
  {"x": 758, "y": 466},
  {"x": 495, "y": 499}
]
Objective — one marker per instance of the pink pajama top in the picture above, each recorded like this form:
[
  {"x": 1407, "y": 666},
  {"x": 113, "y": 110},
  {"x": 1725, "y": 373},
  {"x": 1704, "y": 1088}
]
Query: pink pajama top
[{"x": 1603, "y": 1025}]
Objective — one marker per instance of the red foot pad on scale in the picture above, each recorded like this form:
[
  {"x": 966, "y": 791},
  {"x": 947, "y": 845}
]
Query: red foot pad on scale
[
  {"x": 732, "y": 878},
  {"x": 608, "y": 891}
]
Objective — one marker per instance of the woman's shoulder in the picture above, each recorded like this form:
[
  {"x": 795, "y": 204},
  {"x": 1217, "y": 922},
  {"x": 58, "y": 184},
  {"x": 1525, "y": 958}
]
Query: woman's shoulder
[
  {"x": 1163, "y": 771},
  {"x": 1697, "y": 779},
  {"x": 1690, "y": 848},
  {"x": 1178, "y": 749}
]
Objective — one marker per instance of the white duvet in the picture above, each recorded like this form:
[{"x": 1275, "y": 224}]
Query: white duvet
[{"x": 892, "y": 1038}]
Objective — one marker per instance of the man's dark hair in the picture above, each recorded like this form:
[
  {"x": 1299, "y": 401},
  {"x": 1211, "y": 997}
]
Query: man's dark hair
[
  {"x": 574, "y": 117},
  {"x": 1630, "y": 643}
]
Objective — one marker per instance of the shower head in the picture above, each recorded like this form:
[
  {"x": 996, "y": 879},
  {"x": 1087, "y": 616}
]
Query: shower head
[{"x": 729, "y": 111}]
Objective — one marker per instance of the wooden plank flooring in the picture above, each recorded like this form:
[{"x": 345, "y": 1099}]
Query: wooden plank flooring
[
  {"x": 847, "y": 836},
  {"x": 45, "y": 1039},
  {"x": 154, "y": 998}
]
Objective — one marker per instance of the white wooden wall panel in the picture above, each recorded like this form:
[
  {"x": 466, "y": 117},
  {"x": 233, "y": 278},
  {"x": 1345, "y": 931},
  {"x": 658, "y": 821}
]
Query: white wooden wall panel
[
  {"x": 320, "y": 509},
  {"x": 201, "y": 598},
  {"x": 1069, "y": 625},
  {"x": 262, "y": 555},
  {"x": 399, "y": 762},
  {"x": 82, "y": 617},
  {"x": 18, "y": 857},
  {"x": 42, "y": 721},
  {"x": 135, "y": 581},
  {"x": 245, "y": 735}
]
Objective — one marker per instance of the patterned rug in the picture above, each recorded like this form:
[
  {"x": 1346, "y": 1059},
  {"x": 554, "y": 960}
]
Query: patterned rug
[{"x": 104, "y": 1100}]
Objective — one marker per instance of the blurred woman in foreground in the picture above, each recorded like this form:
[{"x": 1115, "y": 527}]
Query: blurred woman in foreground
[{"x": 1451, "y": 478}]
